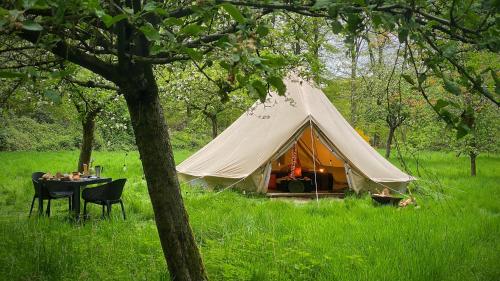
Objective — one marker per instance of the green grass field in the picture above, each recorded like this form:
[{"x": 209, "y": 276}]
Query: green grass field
[{"x": 454, "y": 234}]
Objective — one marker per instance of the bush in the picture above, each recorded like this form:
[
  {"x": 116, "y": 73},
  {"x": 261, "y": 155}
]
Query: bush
[
  {"x": 188, "y": 140},
  {"x": 23, "y": 133}
]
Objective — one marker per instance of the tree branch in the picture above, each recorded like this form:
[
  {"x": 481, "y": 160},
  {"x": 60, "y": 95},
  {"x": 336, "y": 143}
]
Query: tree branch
[
  {"x": 75, "y": 55},
  {"x": 91, "y": 84},
  {"x": 476, "y": 84}
]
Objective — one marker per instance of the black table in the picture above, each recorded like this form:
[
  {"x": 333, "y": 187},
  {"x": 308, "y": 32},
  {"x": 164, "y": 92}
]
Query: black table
[{"x": 75, "y": 184}]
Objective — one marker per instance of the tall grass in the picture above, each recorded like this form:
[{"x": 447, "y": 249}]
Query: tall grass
[{"x": 452, "y": 235}]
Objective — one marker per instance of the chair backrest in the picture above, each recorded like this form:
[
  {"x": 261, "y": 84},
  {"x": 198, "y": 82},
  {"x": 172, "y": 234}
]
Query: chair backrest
[
  {"x": 114, "y": 189},
  {"x": 36, "y": 175},
  {"x": 35, "y": 179}
]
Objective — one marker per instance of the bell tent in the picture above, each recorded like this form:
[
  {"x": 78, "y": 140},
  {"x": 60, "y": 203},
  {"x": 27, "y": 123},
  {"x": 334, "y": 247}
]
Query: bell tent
[{"x": 297, "y": 137}]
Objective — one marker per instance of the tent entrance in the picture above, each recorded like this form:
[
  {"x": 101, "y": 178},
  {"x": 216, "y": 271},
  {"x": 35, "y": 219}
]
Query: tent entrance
[{"x": 312, "y": 155}]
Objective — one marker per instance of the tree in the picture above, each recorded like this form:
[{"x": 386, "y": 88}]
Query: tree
[
  {"x": 478, "y": 115},
  {"x": 354, "y": 47},
  {"x": 122, "y": 41},
  {"x": 384, "y": 83},
  {"x": 89, "y": 104},
  {"x": 202, "y": 90}
]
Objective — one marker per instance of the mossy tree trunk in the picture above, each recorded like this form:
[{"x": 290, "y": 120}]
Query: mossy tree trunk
[
  {"x": 88, "y": 128},
  {"x": 151, "y": 134}
]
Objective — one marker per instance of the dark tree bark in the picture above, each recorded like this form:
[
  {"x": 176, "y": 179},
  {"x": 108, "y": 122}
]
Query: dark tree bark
[
  {"x": 215, "y": 126},
  {"x": 389, "y": 142},
  {"x": 138, "y": 85},
  {"x": 153, "y": 141},
  {"x": 473, "y": 155},
  {"x": 88, "y": 126},
  {"x": 353, "y": 52},
  {"x": 473, "y": 169},
  {"x": 376, "y": 140},
  {"x": 394, "y": 119}
]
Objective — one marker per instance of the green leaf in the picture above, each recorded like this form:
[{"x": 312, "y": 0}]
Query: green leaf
[
  {"x": 440, "y": 104},
  {"x": 255, "y": 60},
  {"x": 262, "y": 30},
  {"x": 333, "y": 11},
  {"x": 462, "y": 130},
  {"x": 172, "y": 21},
  {"x": 260, "y": 88},
  {"x": 277, "y": 83},
  {"x": 156, "y": 49},
  {"x": 191, "y": 29},
  {"x": 336, "y": 27},
  {"x": 408, "y": 78},
  {"x": 225, "y": 65},
  {"x": 402, "y": 34},
  {"x": 32, "y": 26},
  {"x": 235, "y": 57},
  {"x": 273, "y": 61},
  {"x": 11, "y": 75},
  {"x": 128, "y": 10},
  {"x": 452, "y": 87},
  {"x": 110, "y": 21},
  {"x": 194, "y": 54},
  {"x": 3, "y": 11},
  {"x": 27, "y": 4},
  {"x": 320, "y": 4},
  {"x": 150, "y": 32},
  {"x": 234, "y": 12},
  {"x": 450, "y": 49},
  {"x": 150, "y": 6},
  {"x": 376, "y": 19},
  {"x": 354, "y": 22}
]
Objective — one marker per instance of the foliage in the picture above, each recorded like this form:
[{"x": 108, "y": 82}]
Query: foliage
[
  {"x": 202, "y": 93},
  {"x": 24, "y": 133},
  {"x": 253, "y": 238}
]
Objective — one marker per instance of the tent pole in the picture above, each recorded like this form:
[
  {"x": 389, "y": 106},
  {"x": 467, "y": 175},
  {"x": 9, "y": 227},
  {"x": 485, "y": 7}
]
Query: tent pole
[{"x": 314, "y": 161}]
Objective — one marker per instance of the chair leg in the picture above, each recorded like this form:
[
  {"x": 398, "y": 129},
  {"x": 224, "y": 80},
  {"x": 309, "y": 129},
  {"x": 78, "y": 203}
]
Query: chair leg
[
  {"x": 48, "y": 209},
  {"x": 84, "y": 210},
  {"x": 32, "y": 204},
  {"x": 102, "y": 210},
  {"x": 69, "y": 203},
  {"x": 123, "y": 209},
  {"x": 108, "y": 205}
]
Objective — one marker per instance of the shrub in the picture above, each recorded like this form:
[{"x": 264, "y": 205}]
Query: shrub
[{"x": 23, "y": 133}]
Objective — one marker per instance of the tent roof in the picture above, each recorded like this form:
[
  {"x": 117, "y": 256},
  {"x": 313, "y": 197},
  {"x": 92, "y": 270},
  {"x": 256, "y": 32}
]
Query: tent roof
[{"x": 258, "y": 134}]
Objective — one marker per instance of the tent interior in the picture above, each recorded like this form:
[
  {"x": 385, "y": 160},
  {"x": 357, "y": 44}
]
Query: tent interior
[{"x": 312, "y": 155}]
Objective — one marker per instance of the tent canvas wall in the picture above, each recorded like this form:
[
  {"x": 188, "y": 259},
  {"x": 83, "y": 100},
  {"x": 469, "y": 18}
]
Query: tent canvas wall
[{"x": 243, "y": 155}]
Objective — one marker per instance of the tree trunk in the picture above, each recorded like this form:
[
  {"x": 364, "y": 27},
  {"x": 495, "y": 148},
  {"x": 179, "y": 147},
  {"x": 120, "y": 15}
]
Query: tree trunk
[
  {"x": 151, "y": 134},
  {"x": 473, "y": 170},
  {"x": 215, "y": 126},
  {"x": 376, "y": 140},
  {"x": 473, "y": 155},
  {"x": 354, "y": 66},
  {"x": 88, "y": 126},
  {"x": 389, "y": 142}
]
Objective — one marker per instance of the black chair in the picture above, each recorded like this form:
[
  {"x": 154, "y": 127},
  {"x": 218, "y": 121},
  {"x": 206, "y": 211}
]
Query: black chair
[
  {"x": 48, "y": 193},
  {"x": 105, "y": 195}
]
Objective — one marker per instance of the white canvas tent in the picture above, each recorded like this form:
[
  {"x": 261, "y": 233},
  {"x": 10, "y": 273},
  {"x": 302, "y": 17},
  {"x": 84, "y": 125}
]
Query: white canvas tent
[{"x": 246, "y": 153}]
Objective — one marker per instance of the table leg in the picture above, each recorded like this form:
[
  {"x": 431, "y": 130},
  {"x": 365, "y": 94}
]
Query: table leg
[
  {"x": 76, "y": 201},
  {"x": 40, "y": 199}
]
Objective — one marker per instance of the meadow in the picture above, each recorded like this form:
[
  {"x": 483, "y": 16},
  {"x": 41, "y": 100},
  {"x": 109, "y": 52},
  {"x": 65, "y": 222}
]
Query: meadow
[{"x": 453, "y": 234}]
